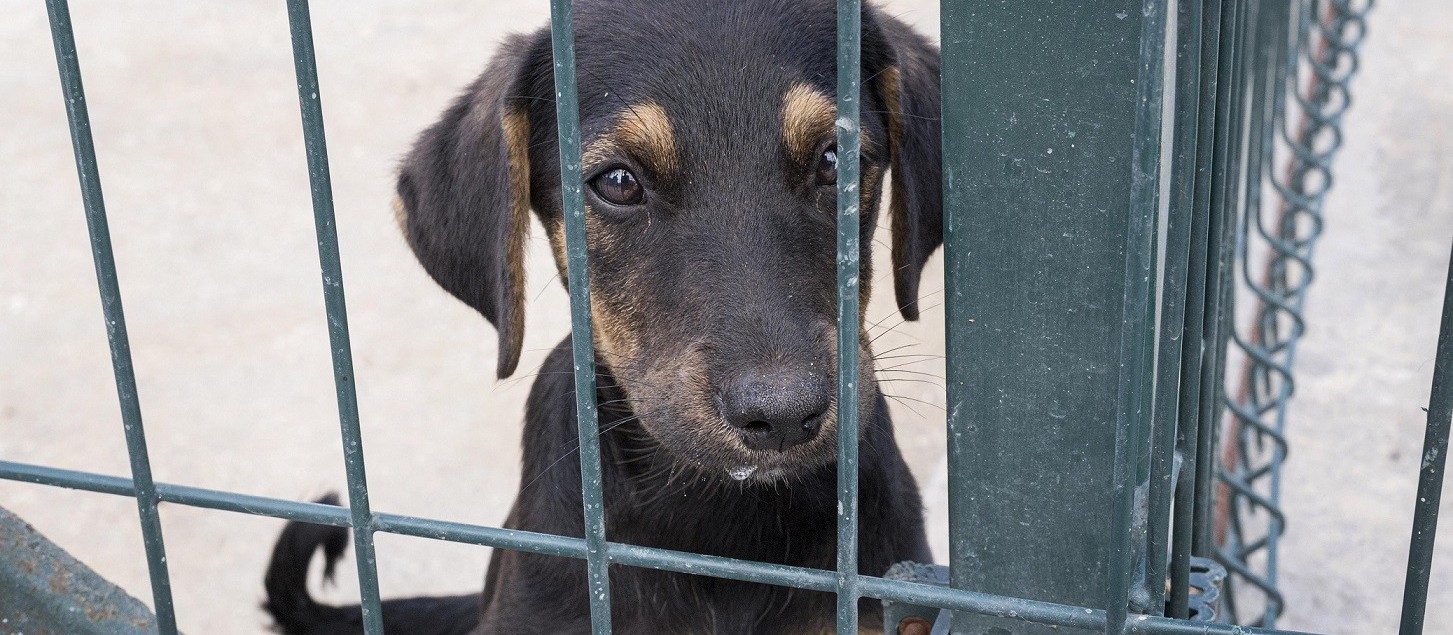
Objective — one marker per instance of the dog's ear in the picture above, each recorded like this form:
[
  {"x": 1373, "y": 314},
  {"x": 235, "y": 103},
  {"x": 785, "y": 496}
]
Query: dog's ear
[
  {"x": 907, "y": 87},
  {"x": 464, "y": 193}
]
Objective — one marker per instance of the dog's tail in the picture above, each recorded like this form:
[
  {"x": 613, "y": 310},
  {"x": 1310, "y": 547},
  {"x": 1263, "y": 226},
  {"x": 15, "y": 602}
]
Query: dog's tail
[
  {"x": 292, "y": 608},
  {"x": 295, "y": 612}
]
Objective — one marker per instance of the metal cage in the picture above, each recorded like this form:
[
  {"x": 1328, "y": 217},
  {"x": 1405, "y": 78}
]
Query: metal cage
[{"x": 1127, "y": 220}]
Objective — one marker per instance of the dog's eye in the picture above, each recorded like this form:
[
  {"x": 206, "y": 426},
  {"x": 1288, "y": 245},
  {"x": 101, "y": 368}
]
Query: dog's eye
[
  {"x": 827, "y": 166},
  {"x": 619, "y": 187}
]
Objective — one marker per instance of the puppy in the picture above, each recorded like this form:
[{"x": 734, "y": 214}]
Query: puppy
[{"x": 710, "y": 171}]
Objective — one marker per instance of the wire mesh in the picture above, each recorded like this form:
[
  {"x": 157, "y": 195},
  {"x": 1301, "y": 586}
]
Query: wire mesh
[{"x": 1308, "y": 56}]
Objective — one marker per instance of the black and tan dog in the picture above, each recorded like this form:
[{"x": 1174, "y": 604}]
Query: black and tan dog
[{"x": 710, "y": 165}]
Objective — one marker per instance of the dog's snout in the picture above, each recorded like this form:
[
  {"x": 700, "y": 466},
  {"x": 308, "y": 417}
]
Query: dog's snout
[{"x": 777, "y": 409}]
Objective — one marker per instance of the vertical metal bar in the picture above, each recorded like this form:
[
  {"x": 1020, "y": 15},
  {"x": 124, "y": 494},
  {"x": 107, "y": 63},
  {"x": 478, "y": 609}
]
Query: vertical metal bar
[
  {"x": 320, "y": 183},
  {"x": 567, "y": 112},
  {"x": 1173, "y": 342},
  {"x": 69, "y": 65},
  {"x": 1136, "y": 333},
  {"x": 1222, "y": 220},
  {"x": 849, "y": 71},
  {"x": 1430, "y": 479},
  {"x": 1187, "y": 421},
  {"x": 1229, "y": 212}
]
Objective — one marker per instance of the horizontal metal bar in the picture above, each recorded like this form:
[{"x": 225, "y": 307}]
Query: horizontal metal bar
[
  {"x": 178, "y": 494},
  {"x": 631, "y": 555},
  {"x": 533, "y": 542}
]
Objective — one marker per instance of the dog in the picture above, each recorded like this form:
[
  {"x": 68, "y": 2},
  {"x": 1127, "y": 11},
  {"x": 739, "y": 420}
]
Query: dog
[{"x": 710, "y": 171}]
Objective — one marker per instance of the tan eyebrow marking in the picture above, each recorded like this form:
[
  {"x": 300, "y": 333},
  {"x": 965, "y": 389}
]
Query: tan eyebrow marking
[
  {"x": 807, "y": 117},
  {"x": 643, "y": 130}
]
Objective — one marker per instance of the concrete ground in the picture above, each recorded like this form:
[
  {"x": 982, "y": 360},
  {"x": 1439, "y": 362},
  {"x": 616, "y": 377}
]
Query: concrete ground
[{"x": 195, "y": 115}]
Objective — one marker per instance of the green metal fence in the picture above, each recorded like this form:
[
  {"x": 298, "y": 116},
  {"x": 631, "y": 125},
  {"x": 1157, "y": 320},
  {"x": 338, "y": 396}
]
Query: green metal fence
[
  {"x": 1302, "y": 61},
  {"x": 1091, "y": 272}
]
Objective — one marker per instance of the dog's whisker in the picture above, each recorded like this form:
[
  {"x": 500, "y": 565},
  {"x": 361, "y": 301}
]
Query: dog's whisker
[
  {"x": 910, "y": 372},
  {"x": 890, "y": 329},
  {"x": 573, "y": 450},
  {"x": 898, "y": 309},
  {"x": 881, "y": 354},
  {"x": 910, "y": 380},
  {"x": 549, "y": 284},
  {"x": 919, "y": 117},
  {"x": 899, "y": 365},
  {"x": 921, "y": 358},
  {"x": 925, "y": 402},
  {"x": 512, "y": 97},
  {"x": 907, "y": 355},
  {"x": 875, "y": 324},
  {"x": 910, "y": 408}
]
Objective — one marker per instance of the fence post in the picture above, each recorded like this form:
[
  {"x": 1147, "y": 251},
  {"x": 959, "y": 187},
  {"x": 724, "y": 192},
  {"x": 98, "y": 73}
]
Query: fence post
[{"x": 1051, "y": 117}]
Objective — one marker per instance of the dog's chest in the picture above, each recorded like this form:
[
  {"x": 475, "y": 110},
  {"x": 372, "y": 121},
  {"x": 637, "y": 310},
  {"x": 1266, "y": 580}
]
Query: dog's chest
[{"x": 664, "y": 602}]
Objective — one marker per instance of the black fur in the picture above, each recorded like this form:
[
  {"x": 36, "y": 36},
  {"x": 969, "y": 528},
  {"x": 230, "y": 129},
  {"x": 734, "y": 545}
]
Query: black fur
[
  {"x": 726, "y": 270},
  {"x": 649, "y": 503}
]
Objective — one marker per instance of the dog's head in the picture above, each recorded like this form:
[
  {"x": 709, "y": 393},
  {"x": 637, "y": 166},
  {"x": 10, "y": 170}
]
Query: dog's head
[{"x": 709, "y": 158}]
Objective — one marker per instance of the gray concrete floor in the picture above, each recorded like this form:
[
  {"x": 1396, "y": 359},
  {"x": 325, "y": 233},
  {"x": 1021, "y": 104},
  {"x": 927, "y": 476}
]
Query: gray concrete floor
[{"x": 197, "y": 130}]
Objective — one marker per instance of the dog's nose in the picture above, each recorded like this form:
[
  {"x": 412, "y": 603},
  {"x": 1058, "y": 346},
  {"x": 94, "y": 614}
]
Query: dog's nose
[{"x": 776, "y": 410}]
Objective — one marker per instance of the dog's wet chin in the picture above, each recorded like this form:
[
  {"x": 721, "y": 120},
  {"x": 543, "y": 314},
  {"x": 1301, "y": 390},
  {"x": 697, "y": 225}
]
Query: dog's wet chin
[
  {"x": 733, "y": 462},
  {"x": 755, "y": 474},
  {"x": 769, "y": 472},
  {"x": 765, "y": 472}
]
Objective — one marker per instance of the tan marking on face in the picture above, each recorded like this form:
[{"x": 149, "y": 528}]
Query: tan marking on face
[
  {"x": 596, "y": 152},
  {"x": 614, "y": 336},
  {"x": 644, "y": 132},
  {"x": 647, "y": 128},
  {"x": 807, "y": 118}
]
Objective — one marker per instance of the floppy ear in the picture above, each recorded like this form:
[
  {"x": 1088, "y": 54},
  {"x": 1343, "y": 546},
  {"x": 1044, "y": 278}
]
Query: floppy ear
[
  {"x": 908, "y": 89},
  {"x": 464, "y": 195}
]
